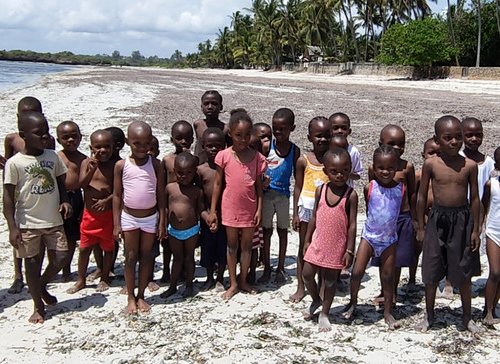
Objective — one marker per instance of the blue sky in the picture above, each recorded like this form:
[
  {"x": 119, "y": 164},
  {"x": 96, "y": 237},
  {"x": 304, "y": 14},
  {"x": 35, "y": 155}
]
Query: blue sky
[{"x": 155, "y": 27}]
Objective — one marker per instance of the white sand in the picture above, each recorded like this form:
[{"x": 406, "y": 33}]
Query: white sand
[{"x": 90, "y": 327}]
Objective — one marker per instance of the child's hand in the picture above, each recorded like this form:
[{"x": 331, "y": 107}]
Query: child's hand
[
  {"x": 420, "y": 234},
  {"x": 162, "y": 233},
  {"x": 66, "y": 210},
  {"x": 100, "y": 204},
  {"x": 295, "y": 223},
  {"x": 415, "y": 225},
  {"x": 212, "y": 222},
  {"x": 475, "y": 242},
  {"x": 266, "y": 181},
  {"x": 257, "y": 218},
  {"x": 117, "y": 232},
  {"x": 347, "y": 260},
  {"x": 93, "y": 163},
  {"x": 15, "y": 237},
  {"x": 2, "y": 162}
]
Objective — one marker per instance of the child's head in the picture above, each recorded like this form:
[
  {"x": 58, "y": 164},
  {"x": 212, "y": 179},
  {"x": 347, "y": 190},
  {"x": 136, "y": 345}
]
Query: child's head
[
  {"x": 101, "y": 145},
  {"x": 341, "y": 124},
  {"x": 68, "y": 135},
  {"x": 473, "y": 133},
  {"x": 448, "y": 134},
  {"x": 213, "y": 141},
  {"x": 29, "y": 103},
  {"x": 394, "y": 136},
  {"x": 339, "y": 141},
  {"x": 431, "y": 148},
  {"x": 182, "y": 136},
  {"x": 262, "y": 131},
  {"x": 319, "y": 133},
  {"x": 283, "y": 124},
  {"x": 34, "y": 129},
  {"x": 139, "y": 136},
  {"x": 155, "y": 147},
  {"x": 211, "y": 104},
  {"x": 385, "y": 163},
  {"x": 118, "y": 139},
  {"x": 496, "y": 157},
  {"x": 240, "y": 129},
  {"x": 185, "y": 168},
  {"x": 337, "y": 166}
]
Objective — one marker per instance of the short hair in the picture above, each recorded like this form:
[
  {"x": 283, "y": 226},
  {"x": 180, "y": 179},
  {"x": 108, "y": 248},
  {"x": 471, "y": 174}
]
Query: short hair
[
  {"x": 337, "y": 153},
  {"x": 340, "y": 115},
  {"x": 316, "y": 119},
  {"x": 384, "y": 150},
  {"x": 68, "y": 123},
  {"x": 182, "y": 123},
  {"x": 28, "y": 118},
  {"x": 496, "y": 153},
  {"x": 262, "y": 125},
  {"x": 29, "y": 103},
  {"x": 339, "y": 141},
  {"x": 430, "y": 140},
  {"x": 186, "y": 158},
  {"x": 102, "y": 132},
  {"x": 472, "y": 120},
  {"x": 285, "y": 113},
  {"x": 117, "y": 134},
  {"x": 212, "y": 92},
  {"x": 214, "y": 131},
  {"x": 443, "y": 120},
  {"x": 239, "y": 115},
  {"x": 391, "y": 127},
  {"x": 140, "y": 125}
]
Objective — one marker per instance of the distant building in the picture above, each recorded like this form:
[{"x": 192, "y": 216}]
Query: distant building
[{"x": 312, "y": 54}]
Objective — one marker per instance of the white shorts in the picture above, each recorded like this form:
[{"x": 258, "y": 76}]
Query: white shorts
[{"x": 148, "y": 224}]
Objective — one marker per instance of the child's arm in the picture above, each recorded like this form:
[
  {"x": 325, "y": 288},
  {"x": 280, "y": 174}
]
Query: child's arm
[
  {"x": 311, "y": 226},
  {"x": 411, "y": 190},
  {"x": 64, "y": 206},
  {"x": 371, "y": 174},
  {"x": 475, "y": 207},
  {"x": 351, "y": 229},
  {"x": 300, "y": 167},
  {"x": 366, "y": 189},
  {"x": 357, "y": 167},
  {"x": 202, "y": 209},
  {"x": 422, "y": 198},
  {"x": 486, "y": 201},
  {"x": 9, "y": 209},
  {"x": 258, "y": 189},
  {"x": 161, "y": 182},
  {"x": 89, "y": 166},
  {"x": 117, "y": 199},
  {"x": 2, "y": 161},
  {"x": 216, "y": 192}
]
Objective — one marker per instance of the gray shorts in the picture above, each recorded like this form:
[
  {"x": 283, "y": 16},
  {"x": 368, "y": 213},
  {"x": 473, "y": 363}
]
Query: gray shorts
[
  {"x": 275, "y": 202},
  {"x": 34, "y": 240}
]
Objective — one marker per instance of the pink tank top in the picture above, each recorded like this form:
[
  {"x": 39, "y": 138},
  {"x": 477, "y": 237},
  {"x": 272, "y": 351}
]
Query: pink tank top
[{"x": 139, "y": 185}]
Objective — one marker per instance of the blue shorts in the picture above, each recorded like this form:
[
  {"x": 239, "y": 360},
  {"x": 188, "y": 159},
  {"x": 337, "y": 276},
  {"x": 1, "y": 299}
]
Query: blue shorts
[
  {"x": 213, "y": 246},
  {"x": 183, "y": 234}
]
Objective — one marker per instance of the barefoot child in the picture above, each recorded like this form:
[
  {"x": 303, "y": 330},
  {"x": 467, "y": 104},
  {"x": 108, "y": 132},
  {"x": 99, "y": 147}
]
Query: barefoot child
[
  {"x": 281, "y": 159},
  {"x": 69, "y": 136},
  {"x": 184, "y": 207},
  {"x": 96, "y": 227},
  {"x": 309, "y": 175},
  {"x": 451, "y": 235},
  {"x": 138, "y": 210},
  {"x": 213, "y": 244},
  {"x": 34, "y": 205},
  {"x": 331, "y": 233},
  {"x": 383, "y": 196},
  {"x": 240, "y": 169},
  {"x": 491, "y": 202}
]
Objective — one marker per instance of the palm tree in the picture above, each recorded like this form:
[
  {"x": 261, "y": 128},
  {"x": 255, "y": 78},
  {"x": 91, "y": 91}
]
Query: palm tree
[
  {"x": 478, "y": 54},
  {"x": 452, "y": 31},
  {"x": 267, "y": 18}
]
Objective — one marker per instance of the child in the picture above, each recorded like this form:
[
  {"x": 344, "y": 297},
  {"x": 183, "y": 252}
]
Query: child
[
  {"x": 182, "y": 139},
  {"x": 451, "y": 235},
  {"x": 138, "y": 210},
  {"x": 383, "y": 196},
  {"x": 69, "y": 136},
  {"x": 96, "y": 228},
  {"x": 34, "y": 199},
  {"x": 265, "y": 134},
  {"x": 341, "y": 125},
  {"x": 339, "y": 141},
  {"x": 240, "y": 168},
  {"x": 281, "y": 159},
  {"x": 331, "y": 233},
  {"x": 213, "y": 244},
  {"x": 491, "y": 201},
  {"x": 184, "y": 207},
  {"x": 394, "y": 136},
  {"x": 309, "y": 175},
  {"x": 211, "y": 107}
]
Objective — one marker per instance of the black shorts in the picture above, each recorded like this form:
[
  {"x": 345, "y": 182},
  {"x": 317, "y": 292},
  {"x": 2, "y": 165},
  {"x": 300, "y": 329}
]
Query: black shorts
[
  {"x": 213, "y": 246},
  {"x": 72, "y": 224},
  {"x": 446, "y": 247}
]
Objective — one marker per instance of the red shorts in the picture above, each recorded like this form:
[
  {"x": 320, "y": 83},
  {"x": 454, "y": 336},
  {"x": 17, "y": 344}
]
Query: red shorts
[{"x": 97, "y": 228}]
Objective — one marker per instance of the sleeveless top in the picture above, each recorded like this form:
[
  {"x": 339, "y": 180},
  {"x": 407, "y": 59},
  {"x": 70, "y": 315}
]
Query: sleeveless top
[
  {"x": 139, "y": 185},
  {"x": 384, "y": 205},
  {"x": 313, "y": 178},
  {"x": 329, "y": 240},
  {"x": 493, "y": 222},
  {"x": 280, "y": 169}
]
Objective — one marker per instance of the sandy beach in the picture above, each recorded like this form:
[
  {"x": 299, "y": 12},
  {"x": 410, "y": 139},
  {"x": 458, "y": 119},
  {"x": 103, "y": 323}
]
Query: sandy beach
[{"x": 265, "y": 328}]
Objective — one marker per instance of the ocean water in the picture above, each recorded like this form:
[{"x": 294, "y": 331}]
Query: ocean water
[{"x": 18, "y": 74}]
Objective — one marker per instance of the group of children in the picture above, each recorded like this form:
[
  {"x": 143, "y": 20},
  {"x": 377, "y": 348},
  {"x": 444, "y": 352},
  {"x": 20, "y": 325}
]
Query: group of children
[{"x": 238, "y": 178}]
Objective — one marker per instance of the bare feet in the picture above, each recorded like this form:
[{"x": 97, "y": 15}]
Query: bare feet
[
  {"x": 489, "y": 320},
  {"x": 188, "y": 292},
  {"x": 312, "y": 309},
  {"x": 219, "y": 287},
  {"x": 425, "y": 324},
  {"x": 131, "y": 308},
  {"x": 391, "y": 322},
  {"x": 94, "y": 275},
  {"x": 265, "y": 277},
  {"x": 17, "y": 286},
  {"x": 208, "y": 285},
  {"x": 48, "y": 298},
  {"x": 124, "y": 290},
  {"x": 297, "y": 296},
  {"x": 280, "y": 277},
  {"x": 472, "y": 327},
  {"x": 169, "y": 292},
  {"x": 349, "y": 311},
  {"x": 324, "y": 323},
  {"x": 38, "y": 317},
  {"x": 102, "y": 286},
  {"x": 79, "y": 285},
  {"x": 245, "y": 287},
  {"x": 230, "y": 293},
  {"x": 153, "y": 286},
  {"x": 143, "y": 306}
]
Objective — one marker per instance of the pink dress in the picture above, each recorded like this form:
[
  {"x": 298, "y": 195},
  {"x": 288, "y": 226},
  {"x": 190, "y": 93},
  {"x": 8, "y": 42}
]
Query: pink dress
[
  {"x": 239, "y": 198},
  {"x": 329, "y": 240}
]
